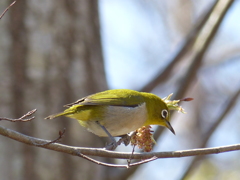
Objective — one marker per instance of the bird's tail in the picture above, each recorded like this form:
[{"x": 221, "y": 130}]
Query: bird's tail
[
  {"x": 57, "y": 115},
  {"x": 67, "y": 112}
]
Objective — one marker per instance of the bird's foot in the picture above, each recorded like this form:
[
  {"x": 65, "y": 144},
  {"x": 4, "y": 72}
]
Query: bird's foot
[
  {"x": 111, "y": 146},
  {"x": 125, "y": 139}
]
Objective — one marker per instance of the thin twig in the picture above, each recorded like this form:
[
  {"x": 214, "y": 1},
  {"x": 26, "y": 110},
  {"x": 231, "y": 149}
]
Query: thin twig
[
  {"x": 116, "y": 165},
  {"x": 61, "y": 133},
  {"x": 7, "y": 9},
  {"x": 21, "y": 119},
  {"x": 129, "y": 160}
]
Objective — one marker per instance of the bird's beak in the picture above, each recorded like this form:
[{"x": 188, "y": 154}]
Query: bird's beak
[{"x": 169, "y": 126}]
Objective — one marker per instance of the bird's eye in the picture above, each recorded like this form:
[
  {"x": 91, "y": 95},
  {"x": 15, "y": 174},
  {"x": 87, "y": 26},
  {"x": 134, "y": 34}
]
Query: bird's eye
[{"x": 164, "y": 113}]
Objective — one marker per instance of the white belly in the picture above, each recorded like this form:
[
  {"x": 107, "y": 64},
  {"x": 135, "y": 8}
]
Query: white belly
[{"x": 119, "y": 120}]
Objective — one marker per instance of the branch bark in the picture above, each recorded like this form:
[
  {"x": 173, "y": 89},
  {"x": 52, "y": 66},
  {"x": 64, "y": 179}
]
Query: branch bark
[
  {"x": 4, "y": 12},
  {"x": 21, "y": 119},
  {"x": 75, "y": 151}
]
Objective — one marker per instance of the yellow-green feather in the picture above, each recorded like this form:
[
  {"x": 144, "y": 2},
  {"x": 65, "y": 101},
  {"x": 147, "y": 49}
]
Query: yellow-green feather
[
  {"x": 154, "y": 105},
  {"x": 115, "y": 97},
  {"x": 92, "y": 108},
  {"x": 85, "y": 113}
]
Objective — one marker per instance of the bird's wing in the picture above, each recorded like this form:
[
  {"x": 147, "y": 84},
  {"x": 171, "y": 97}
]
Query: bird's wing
[{"x": 111, "y": 98}]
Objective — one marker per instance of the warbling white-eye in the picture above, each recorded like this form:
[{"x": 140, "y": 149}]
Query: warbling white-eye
[{"x": 118, "y": 112}]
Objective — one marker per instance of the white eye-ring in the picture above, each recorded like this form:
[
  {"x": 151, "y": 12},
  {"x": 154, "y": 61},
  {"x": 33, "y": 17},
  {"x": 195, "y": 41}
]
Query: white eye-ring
[{"x": 164, "y": 113}]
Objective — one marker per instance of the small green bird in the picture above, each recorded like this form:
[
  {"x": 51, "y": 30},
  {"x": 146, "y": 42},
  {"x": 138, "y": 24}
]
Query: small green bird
[{"x": 118, "y": 112}]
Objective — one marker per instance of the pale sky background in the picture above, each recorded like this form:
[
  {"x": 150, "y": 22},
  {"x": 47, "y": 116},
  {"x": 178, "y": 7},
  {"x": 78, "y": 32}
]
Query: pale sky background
[{"x": 137, "y": 45}]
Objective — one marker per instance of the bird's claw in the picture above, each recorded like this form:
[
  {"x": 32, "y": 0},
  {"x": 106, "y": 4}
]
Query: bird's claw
[
  {"x": 111, "y": 146},
  {"x": 125, "y": 139}
]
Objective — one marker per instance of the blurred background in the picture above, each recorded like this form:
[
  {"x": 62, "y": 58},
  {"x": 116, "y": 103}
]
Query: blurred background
[{"x": 55, "y": 52}]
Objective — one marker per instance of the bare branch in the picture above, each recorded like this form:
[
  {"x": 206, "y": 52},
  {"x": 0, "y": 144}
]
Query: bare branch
[
  {"x": 129, "y": 160},
  {"x": 115, "y": 165},
  {"x": 190, "y": 39},
  {"x": 21, "y": 119},
  {"x": 7, "y": 9},
  {"x": 61, "y": 133},
  {"x": 111, "y": 154}
]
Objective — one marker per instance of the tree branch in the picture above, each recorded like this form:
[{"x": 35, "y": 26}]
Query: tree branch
[
  {"x": 61, "y": 133},
  {"x": 128, "y": 165},
  {"x": 83, "y": 152},
  {"x": 187, "y": 44},
  {"x": 4, "y": 12},
  {"x": 21, "y": 119}
]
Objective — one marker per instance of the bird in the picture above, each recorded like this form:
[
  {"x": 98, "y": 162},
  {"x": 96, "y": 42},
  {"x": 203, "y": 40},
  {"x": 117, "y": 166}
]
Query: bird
[{"x": 117, "y": 112}]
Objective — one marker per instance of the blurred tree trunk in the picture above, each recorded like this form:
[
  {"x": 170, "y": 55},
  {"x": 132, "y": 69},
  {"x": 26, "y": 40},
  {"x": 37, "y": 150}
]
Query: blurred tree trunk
[
  {"x": 55, "y": 57},
  {"x": 77, "y": 58},
  {"x": 18, "y": 52}
]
